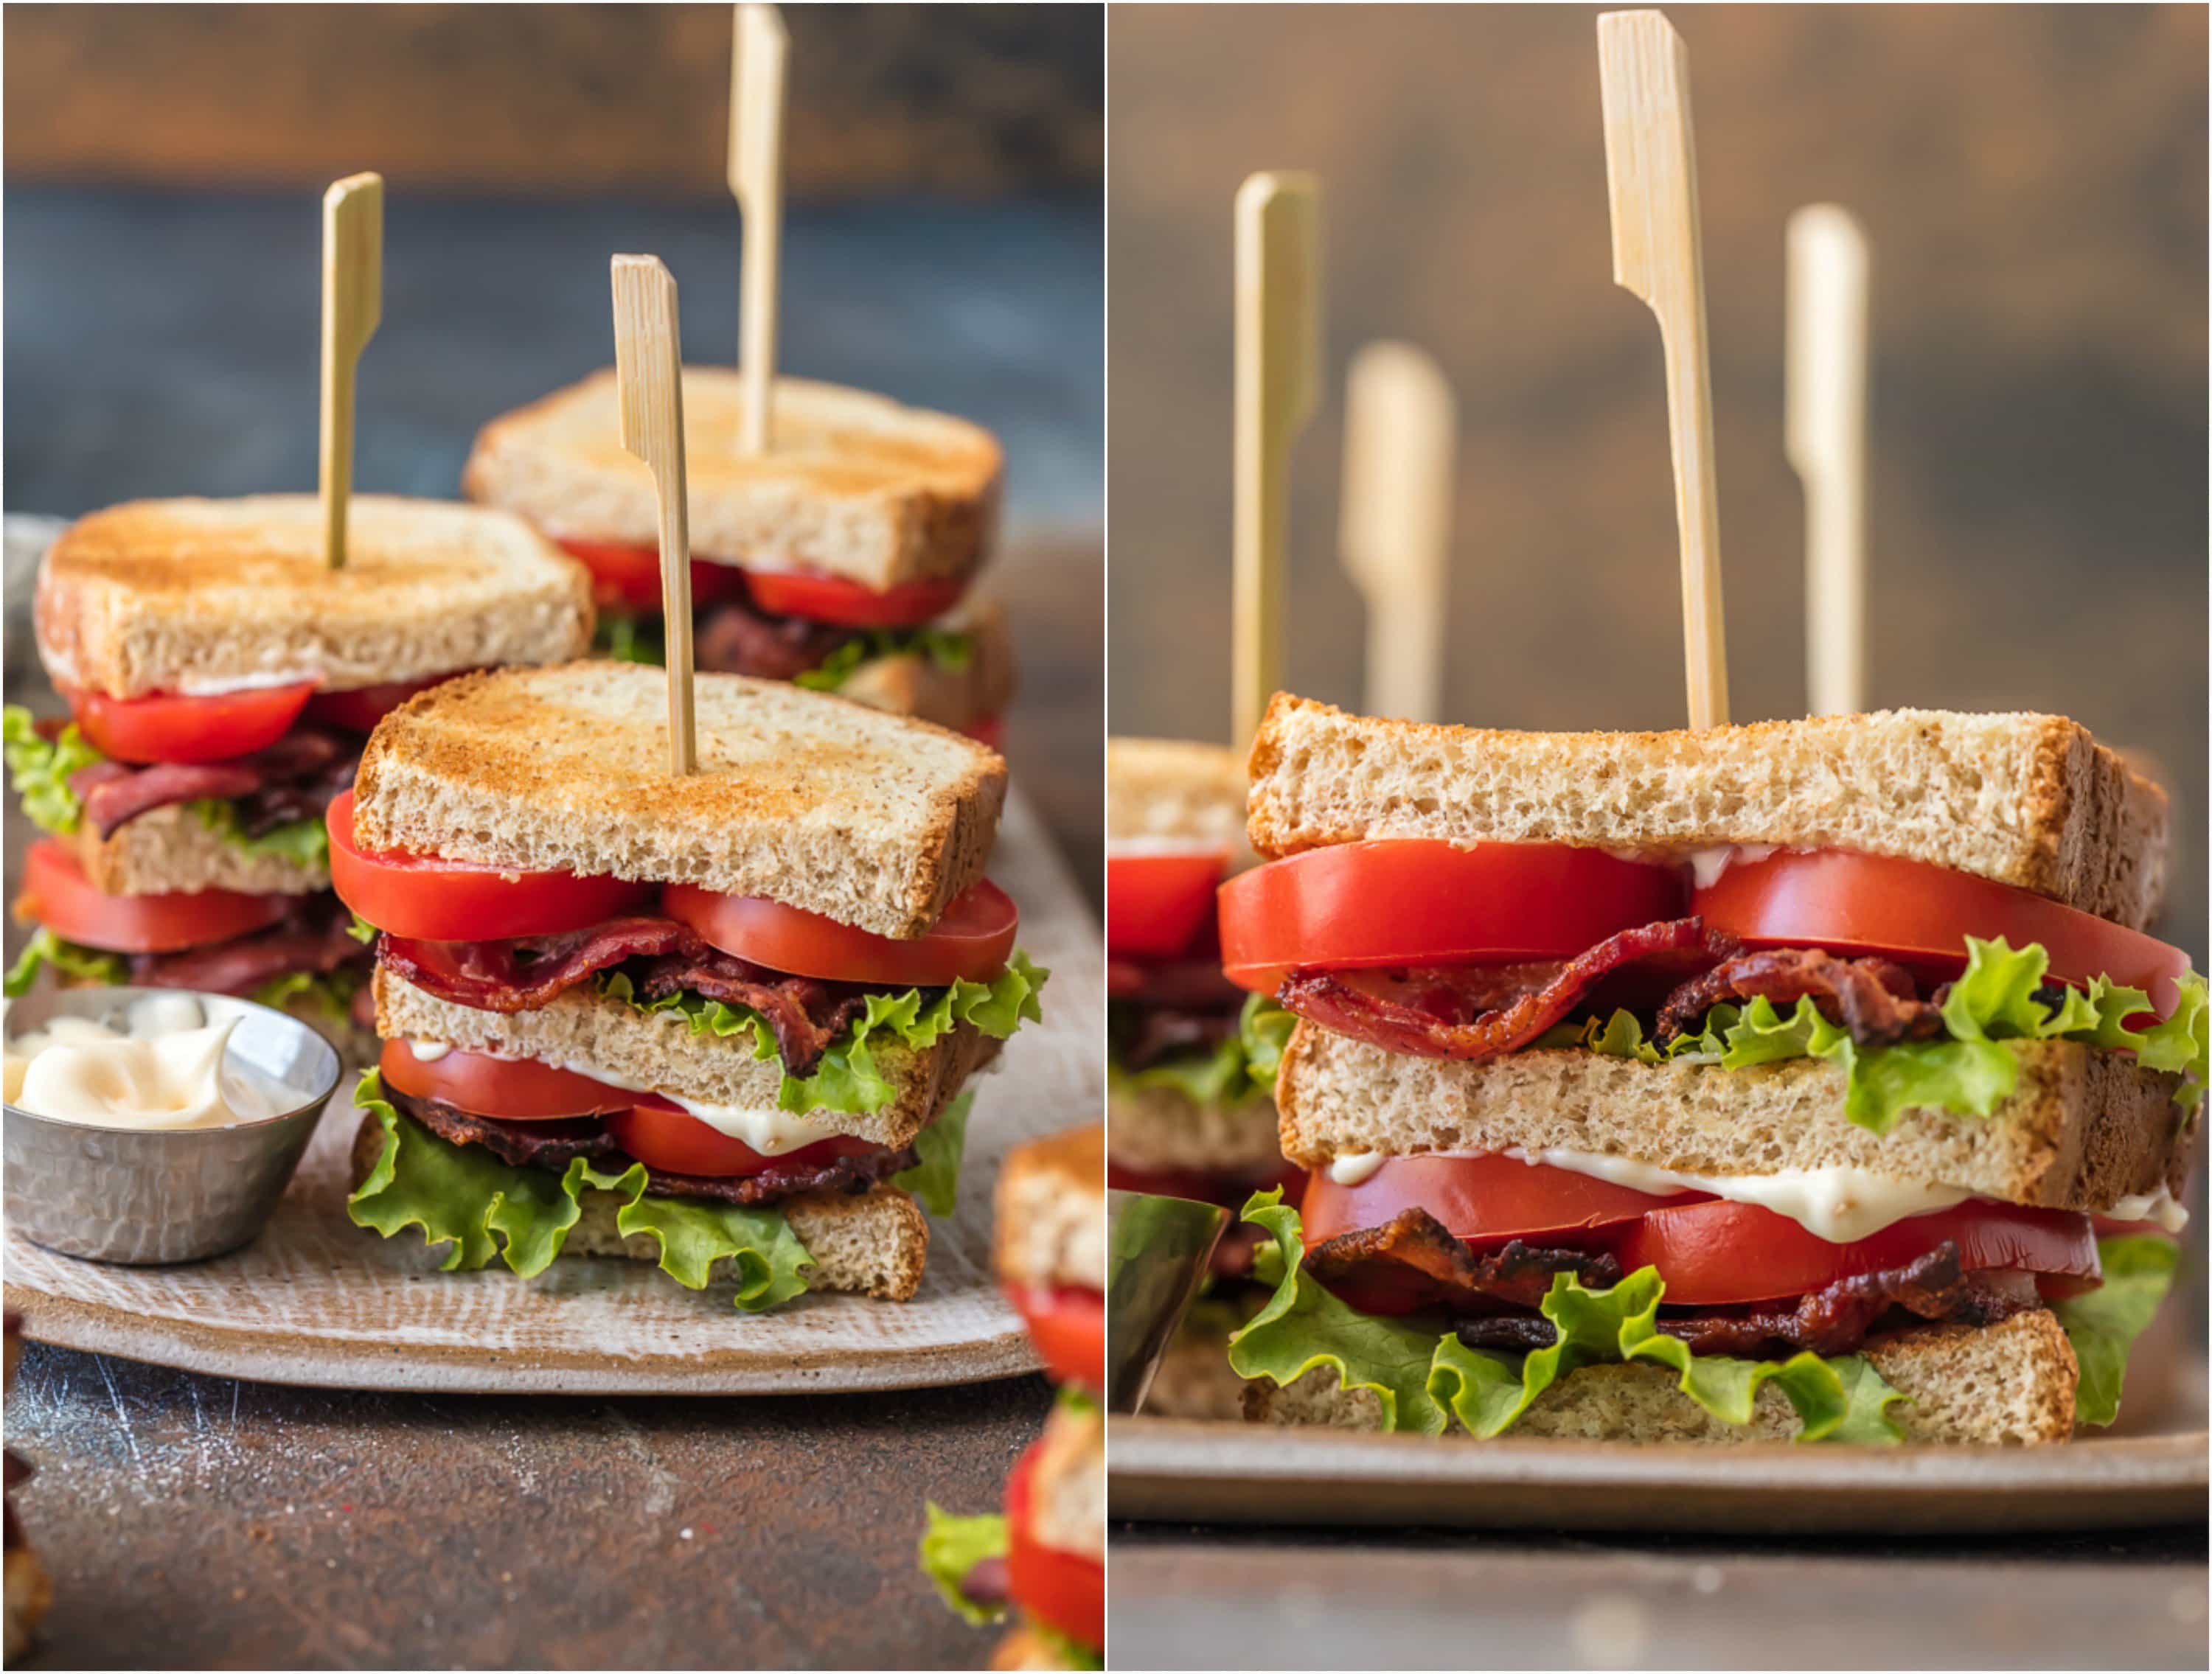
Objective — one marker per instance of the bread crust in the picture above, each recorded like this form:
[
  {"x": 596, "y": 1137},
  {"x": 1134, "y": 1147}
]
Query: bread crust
[
  {"x": 170, "y": 849},
  {"x": 857, "y": 485},
  {"x": 2007, "y": 1385},
  {"x": 1166, "y": 790},
  {"x": 29, "y": 1593},
  {"x": 2082, "y": 1130},
  {"x": 186, "y": 595},
  {"x": 875, "y": 820},
  {"x": 2028, "y": 800},
  {"x": 1050, "y": 1225},
  {"x": 1161, "y": 1128}
]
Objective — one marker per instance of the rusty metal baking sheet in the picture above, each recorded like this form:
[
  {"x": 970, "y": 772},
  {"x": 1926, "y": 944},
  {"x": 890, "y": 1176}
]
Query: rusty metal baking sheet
[
  {"x": 1161, "y": 1470},
  {"x": 317, "y": 1300}
]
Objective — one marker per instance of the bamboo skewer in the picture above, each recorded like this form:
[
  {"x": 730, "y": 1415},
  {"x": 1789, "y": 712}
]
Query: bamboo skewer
[
  {"x": 758, "y": 49},
  {"x": 1277, "y": 384},
  {"x": 353, "y": 305},
  {"x": 1826, "y": 437},
  {"x": 1400, "y": 438},
  {"x": 1651, "y": 180},
  {"x": 648, "y": 373}
]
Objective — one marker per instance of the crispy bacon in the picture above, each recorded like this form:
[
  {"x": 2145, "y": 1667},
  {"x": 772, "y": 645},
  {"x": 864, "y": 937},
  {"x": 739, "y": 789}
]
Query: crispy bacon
[
  {"x": 553, "y": 1145},
  {"x": 805, "y": 1013},
  {"x": 530, "y": 971},
  {"x": 1145, "y": 1035},
  {"x": 1874, "y": 999},
  {"x": 734, "y": 638},
  {"x": 1456, "y": 1012},
  {"x": 1413, "y": 1258},
  {"x": 295, "y": 778},
  {"x": 313, "y": 939}
]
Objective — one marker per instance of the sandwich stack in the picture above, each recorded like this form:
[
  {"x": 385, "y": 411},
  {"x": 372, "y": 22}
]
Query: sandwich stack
[
  {"x": 221, "y": 677},
  {"x": 1187, "y": 1112},
  {"x": 1044, "y": 1560},
  {"x": 1810, "y": 1078},
  {"x": 721, "y": 1019}
]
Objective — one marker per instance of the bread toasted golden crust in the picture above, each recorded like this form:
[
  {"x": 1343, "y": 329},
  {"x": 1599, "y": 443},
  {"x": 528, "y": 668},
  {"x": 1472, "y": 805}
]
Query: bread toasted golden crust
[
  {"x": 874, "y": 820},
  {"x": 191, "y": 595},
  {"x": 1169, "y": 791},
  {"x": 855, "y": 486},
  {"x": 1051, "y": 1211},
  {"x": 2029, "y": 800}
]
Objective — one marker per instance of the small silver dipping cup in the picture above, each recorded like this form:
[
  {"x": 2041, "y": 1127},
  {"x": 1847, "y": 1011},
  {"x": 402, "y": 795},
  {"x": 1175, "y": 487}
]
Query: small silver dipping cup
[
  {"x": 150, "y": 1196},
  {"x": 1158, "y": 1252}
]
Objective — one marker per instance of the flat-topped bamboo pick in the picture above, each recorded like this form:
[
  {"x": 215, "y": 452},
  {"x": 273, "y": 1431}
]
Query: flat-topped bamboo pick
[
  {"x": 1825, "y": 436},
  {"x": 1651, "y": 180},
  {"x": 758, "y": 48},
  {"x": 353, "y": 305},
  {"x": 1277, "y": 384},
  {"x": 649, "y": 375},
  {"x": 1400, "y": 438}
]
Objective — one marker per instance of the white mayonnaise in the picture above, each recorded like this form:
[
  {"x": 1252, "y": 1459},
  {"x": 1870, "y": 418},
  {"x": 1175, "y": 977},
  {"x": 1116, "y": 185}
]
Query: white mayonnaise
[
  {"x": 769, "y": 1131},
  {"x": 1355, "y": 1168},
  {"x": 164, "y": 1070},
  {"x": 428, "y": 1052},
  {"x": 63, "y": 672},
  {"x": 2159, "y": 1206},
  {"x": 1706, "y": 864}
]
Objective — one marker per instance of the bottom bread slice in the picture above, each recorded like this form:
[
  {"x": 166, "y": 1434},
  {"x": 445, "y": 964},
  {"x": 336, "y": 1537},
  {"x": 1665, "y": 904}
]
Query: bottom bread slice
[
  {"x": 871, "y": 1243},
  {"x": 2008, "y": 1384},
  {"x": 1026, "y": 1647}
]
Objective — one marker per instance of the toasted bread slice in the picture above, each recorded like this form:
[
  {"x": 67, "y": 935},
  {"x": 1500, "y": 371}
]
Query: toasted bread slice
[
  {"x": 2028, "y": 800},
  {"x": 190, "y": 596},
  {"x": 874, "y": 820},
  {"x": 2008, "y": 1384},
  {"x": 1067, "y": 1490},
  {"x": 1194, "y": 1379},
  {"x": 1163, "y": 1128},
  {"x": 913, "y": 684},
  {"x": 2082, "y": 1129},
  {"x": 29, "y": 1593},
  {"x": 1166, "y": 793},
  {"x": 872, "y": 1243},
  {"x": 856, "y": 486},
  {"x": 1027, "y": 1647},
  {"x": 1051, "y": 1204},
  {"x": 585, "y": 1031},
  {"x": 171, "y": 849}
]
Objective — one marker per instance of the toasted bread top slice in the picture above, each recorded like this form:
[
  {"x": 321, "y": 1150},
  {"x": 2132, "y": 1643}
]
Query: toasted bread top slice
[
  {"x": 197, "y": 596},
  {"x": 856, "y": 485},
  {"x": 2028, "y": 800},
  {"x": 1169, "y": 793},
  {"x": 870, "y": 818},
  {"x": 1051, "y": 1211}
]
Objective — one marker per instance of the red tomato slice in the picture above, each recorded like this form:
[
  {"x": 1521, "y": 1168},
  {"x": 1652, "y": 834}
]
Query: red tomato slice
[
  {"x": 972, "y": 940},
  {"x": 1413, "y": 901},
  {"x": 58, "y": 895},
  {"x": 831, "y": 598},
  {"x": 1065, "y": 1591},
  {"x": 1921, "y": 915},
  {"x": 163, "y": 728},
  {"x": 506, "y": 1089},
  {"x": 434, "y": 900},
  {"x": 360, "y": 709},
  {"x": 629, "y": 576},
  {"x": 1157, "y": 904},
  {"x": 1713, "y": 1254},
  {"x": 665, "y": 1136},
  {"x": 1068, "y": 1323},
  {"x": 1485, "y": 1200}
]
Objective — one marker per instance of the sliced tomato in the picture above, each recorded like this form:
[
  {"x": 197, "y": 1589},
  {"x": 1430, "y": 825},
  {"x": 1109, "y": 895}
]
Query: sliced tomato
[
  {"x": 1065, "y": 1591},
  {"x": 832, "y": 598},
  {"x": 1157, "y": 905},
  {"x": 57, "y": 894},
  {"x": 1484, "y": 1200},
  {"x": 506, "y": 1089},
  {"x": 971, "y": 941},
  {"x": 435, "y": 899},
  {"x": 1068, "y": 1323},
  {"x": 1713, "y": 1254},
  {"x": 1414, "y": 902},
  {"x": 1921, "y": 915},
  {"x": 165, "y": 728},
  {"x": 663, "y": 1135},
  {"x": 361, "y": 708},
  {"x": 629, "y": 576},
  {"x": 990, "y": 731}
]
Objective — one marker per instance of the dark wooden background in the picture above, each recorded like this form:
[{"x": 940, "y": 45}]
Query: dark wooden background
[{"x": 2033, "y": 181}]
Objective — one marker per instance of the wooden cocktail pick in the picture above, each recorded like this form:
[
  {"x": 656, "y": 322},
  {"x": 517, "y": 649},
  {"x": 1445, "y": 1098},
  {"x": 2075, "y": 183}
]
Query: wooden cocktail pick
[{"x": 353, "y": 304}]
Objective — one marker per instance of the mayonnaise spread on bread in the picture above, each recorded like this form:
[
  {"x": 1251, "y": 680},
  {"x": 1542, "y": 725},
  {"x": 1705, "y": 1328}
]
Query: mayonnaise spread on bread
[
  {"x": 164, "y": 1070},
  {"x": 770, "y": 1132},
  {"x": 2159, "y": 1207},
  {"x": 1840, "y": 1204},
  {"x": 63, "y": 672}
]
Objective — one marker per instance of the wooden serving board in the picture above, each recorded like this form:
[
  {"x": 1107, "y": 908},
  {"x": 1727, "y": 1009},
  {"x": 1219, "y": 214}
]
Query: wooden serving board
[{"x": 317, "y": 1300}]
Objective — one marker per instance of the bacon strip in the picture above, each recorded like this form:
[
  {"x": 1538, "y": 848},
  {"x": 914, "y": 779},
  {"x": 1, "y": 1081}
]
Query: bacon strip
[
  {"x": 295, "y": 778},
  {"x": 734, "y": 638},
  {"x": 804, "y": 1014},
  {"x": 1419, "y": 1013},
  {"x": 314, "y": 939},
  {"x": 532, "y": 971},
  {"x": 1874, "y": 999},
  {"x": 1414, "y": 1257}
]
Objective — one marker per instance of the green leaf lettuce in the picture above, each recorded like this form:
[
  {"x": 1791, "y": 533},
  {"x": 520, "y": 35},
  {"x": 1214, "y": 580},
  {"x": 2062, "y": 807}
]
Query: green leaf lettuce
[
  {"x": 69, "y": 960},
  {"x": 951, "y": 1549},
  {"x": 2103, "y": 1324},
  {"x": 952, "y": 652},
  {"x": 935, "y": 1176},
  {"x": 41, "y": 769}
]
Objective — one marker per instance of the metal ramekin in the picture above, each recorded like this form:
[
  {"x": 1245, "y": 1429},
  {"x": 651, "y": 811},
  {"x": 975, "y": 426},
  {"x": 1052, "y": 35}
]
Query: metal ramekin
[
  {"x": 148, "y": 1197},
  {"x": 1158, "y": 1252}
]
